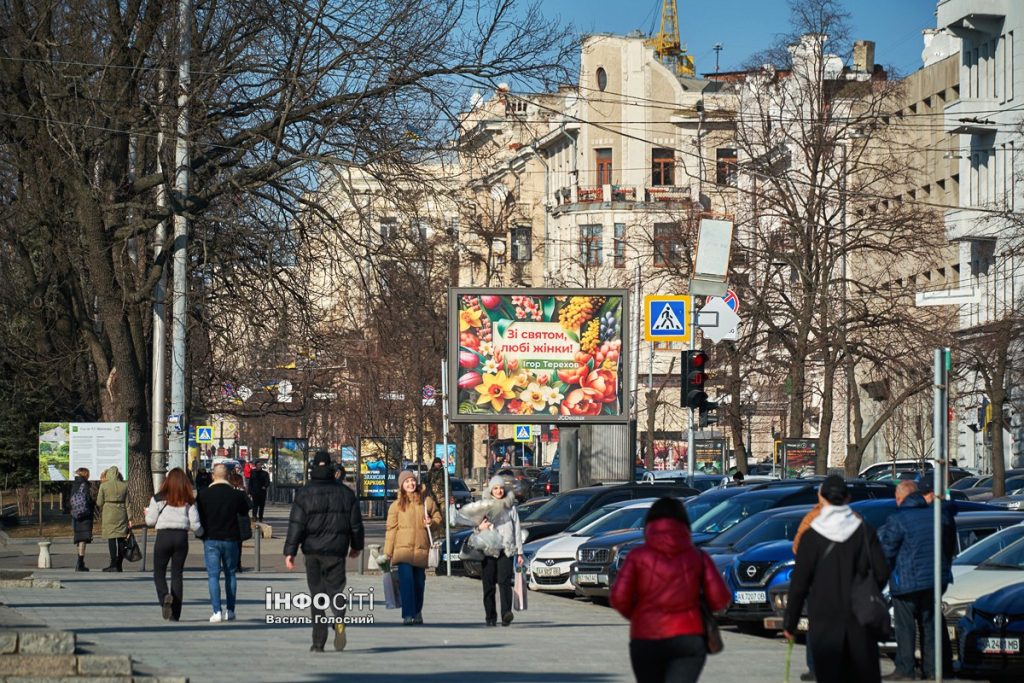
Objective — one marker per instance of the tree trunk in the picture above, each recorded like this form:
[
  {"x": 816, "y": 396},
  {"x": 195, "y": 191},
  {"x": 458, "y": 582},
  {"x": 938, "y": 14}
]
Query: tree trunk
[
  {"x": 797, "y": 378},
  {"x": 997, "y": 393},
  {"x": 652, "y": 412},
  {"x": 825, "y": 423}
]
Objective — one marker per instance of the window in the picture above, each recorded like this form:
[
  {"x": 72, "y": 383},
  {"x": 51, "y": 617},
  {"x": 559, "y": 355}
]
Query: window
[
  {"x": 666, "y": 245},
  {"x": 662, "y": 166},
  {"x": 590, "y": 245},
  {"x": 453, "y": 228},
  {"x": 498, "y": 249},
  {"x": 620, "y": 245},
  {"x": 421, "y": 230},
  {"x": 389, "y": 228},
  {"x": 725, "y": 166},
  {"x": 521, "y": 248},
  {"x": 604, "y": 165},
  {"x": 602, "y": 78}
]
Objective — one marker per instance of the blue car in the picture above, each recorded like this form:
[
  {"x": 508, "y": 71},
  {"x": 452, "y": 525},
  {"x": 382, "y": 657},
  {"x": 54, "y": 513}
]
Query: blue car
[{"x": 990, "y": 634}]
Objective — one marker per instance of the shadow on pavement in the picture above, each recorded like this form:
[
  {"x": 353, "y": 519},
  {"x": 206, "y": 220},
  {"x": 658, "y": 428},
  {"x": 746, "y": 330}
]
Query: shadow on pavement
[{"x": 489, "y": 675}]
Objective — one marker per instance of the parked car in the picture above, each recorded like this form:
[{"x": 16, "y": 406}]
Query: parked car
[
  {"x": 989, "y": 636},
  {"x": 546, "y": 483},
  {"x": 1004, "y": 568},
  {"x": 971, "y": 557},
  {"x": 778, "y": 524},
  {"x": 1014, "y": 500},
  {"x": 701, "y": 482},
  {"x": 982, "y": 491},
  {"x": 549, "y": 560},
  {"x": 893, "y": 467},
  {"x": 520, "y": 479},
  {"x": 460, "y": 491},
  {"x": 527, "y": 509}
]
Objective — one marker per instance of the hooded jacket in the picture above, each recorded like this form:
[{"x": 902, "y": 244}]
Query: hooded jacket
[
  {"x": 908, "y": 543},
  {"x": 505, "y": 517},
  {"x": 659, "y": 587},
  {"x": 112, "y": 501},
  {"x": 406, "y": 540},
  {"x": 325, "y": 518}
]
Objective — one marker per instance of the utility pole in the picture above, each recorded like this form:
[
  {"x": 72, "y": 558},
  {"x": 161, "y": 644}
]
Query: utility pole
[
  {"x": 718, "y": 51},
  {"x": 182, "y": 162},
  {"x": 939, "y": 425},
  {"x": 158, "y": 428}
]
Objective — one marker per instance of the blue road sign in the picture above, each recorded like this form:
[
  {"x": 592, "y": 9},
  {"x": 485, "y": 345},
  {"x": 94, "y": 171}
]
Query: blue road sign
[
  {"x": 524, "y": 434},
  {"x": 667, "y": 317},
  {"x": 204, "y": 434}
]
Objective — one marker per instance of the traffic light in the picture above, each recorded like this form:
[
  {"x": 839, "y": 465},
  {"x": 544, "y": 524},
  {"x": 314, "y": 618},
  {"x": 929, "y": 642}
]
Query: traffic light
[
  {"x": 708, "y": 415},
  {"x": 694, "y": 376}
]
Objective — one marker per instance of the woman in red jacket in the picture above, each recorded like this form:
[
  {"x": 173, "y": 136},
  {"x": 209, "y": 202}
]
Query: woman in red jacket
[{"x": 659, "y": 589}]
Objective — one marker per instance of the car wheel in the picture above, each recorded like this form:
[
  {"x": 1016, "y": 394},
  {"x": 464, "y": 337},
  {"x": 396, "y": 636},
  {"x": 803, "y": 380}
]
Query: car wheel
[
  {"x": 597, "y": 600},
  {"x": 750, "y": 628}
]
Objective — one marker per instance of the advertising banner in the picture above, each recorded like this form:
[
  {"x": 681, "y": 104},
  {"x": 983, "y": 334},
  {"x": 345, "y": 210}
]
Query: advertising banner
[
  {"x": 799, "y": 455},
  {"x": 290, "y": 462},
  {"x": 538, "y": 355},
  {"x": 380, "y": 460},
  {"x": 450, "y": 460},
  {"x": 709, "y": 455},
  {"x": 66, "y": 446},
  {"x": 349, "y": 458}
]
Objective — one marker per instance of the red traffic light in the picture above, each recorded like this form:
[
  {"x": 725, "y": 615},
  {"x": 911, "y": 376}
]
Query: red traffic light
[{"x": 698, "y": 359}]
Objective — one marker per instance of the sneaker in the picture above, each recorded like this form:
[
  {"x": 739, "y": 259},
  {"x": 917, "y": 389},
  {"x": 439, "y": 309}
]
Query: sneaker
[
  {"x": 507, "y": 618},
  {"x": 167, "y": 607},
  {"x": 340, "y": 639},
  {"x": 808, "y": 676},
  {"x": 316, "y": 648},
  {"x": 418, "y": 619},
  {"x": 408, "y": 621},
  {"x": 230, "y": 615},
  {"x": 217, "y": 618}
]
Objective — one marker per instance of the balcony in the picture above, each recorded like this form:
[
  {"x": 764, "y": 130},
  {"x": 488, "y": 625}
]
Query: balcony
[
  {"x": 966, "y": 16},
  {"x": 667, "y": 193},
  {"x": 623, "y": 193},
  {"x": 972, "y": 117},
  {"x": 590, "y": 194},
  {"x": 972, "y": 224}
]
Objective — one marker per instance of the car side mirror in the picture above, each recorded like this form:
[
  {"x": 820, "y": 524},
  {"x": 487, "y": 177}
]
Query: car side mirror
[{"x": 472, "y": 490}]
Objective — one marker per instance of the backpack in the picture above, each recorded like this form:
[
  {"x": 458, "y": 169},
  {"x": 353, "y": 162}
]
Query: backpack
[{"x": 80, "y": 502}]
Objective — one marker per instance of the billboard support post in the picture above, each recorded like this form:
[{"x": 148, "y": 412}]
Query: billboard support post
[{"x": 444, "y": 466}]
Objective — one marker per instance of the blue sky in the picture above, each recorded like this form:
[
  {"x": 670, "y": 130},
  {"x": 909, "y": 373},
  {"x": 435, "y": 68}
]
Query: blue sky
[{"x": 745, "y": 27}]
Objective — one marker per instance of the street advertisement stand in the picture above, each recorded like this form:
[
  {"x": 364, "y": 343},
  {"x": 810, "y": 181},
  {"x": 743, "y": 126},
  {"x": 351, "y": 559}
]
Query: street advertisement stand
[
  {"x": 64, "y": 447},
  {"x": 290, "y": 462},
  {"x": 798, "y": 456},
  {"x": 380, "y": 460},
  {"x": 710, "y": 455}
]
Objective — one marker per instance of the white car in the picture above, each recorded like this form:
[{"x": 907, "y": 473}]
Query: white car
[
  {"x": 549, "y": 564},
  {"x": 970, "y": 558},
  {"x": 1004, "y": 568}
]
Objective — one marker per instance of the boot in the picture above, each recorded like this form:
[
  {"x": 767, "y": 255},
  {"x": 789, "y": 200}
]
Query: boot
[{"x": 80, "y": 567}]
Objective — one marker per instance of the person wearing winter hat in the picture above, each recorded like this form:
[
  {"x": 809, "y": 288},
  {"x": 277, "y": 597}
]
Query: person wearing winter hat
[
  {"x": 407, "y": 543},
  {"x": 497, "y": 571}
]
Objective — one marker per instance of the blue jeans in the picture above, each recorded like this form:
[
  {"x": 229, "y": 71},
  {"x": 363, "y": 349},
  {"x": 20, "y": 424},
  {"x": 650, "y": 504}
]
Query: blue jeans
[
  {"x": 412, "y": 583},
  {"x": 221, "y": 555}
]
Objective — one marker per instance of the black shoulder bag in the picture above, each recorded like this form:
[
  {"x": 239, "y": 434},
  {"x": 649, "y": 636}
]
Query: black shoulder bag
[{"x": 869, "y": 607}]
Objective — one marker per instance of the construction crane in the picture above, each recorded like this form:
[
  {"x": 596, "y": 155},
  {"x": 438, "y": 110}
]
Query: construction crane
[{"x": 666, "y": 42}]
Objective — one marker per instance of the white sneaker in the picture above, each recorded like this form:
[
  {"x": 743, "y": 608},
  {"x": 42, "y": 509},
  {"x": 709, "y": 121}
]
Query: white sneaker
[
  {"x": 230, "y": 616},
  {"x": 217, "y": 618}
]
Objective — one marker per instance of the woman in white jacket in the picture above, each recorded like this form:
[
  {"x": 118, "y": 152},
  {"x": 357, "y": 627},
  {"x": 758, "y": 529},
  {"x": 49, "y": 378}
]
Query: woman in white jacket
[
  {"x": 497, "y": 571},
  {"x": 172, "y": 511}
]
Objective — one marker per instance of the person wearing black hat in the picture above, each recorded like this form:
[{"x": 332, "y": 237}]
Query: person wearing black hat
[
  {"x": 838, "y": 546},
  {"x": 326, "y": 523}
]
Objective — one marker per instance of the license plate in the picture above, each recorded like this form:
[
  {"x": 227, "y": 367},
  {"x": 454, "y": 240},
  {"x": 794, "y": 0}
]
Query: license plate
[
  {"x": 547, "y": 571},
  {"x": 455, "y": 557},
  {"x": 999, "y": 646},
  {"x": 749, "y": 597},
  {"x": 588, "y": 579},
  {"x": 775, "y": 624}
]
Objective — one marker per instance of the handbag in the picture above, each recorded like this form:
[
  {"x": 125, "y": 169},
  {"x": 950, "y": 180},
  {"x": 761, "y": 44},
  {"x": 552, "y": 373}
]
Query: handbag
[
  {"x": 520, "y": 590},
  {"x": 712, "y": 635},
  {"x": 869, "y": 606},
  {"x": 434, "y": 554},
  {"x": 132, "y": 551},
  {"x": 392, "y": 596},
  {"x": 244, "y": 527}
]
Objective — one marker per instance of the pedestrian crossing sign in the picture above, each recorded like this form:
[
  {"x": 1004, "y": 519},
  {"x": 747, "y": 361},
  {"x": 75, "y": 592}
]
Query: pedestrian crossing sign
[
  {"x": 204, "y": 434},
  {"x": 667, "y": 317},
  {"x": 524, "y": 434}
]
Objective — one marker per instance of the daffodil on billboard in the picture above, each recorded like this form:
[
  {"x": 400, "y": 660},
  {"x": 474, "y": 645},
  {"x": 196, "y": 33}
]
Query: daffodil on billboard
[{"x": 538, "y": 355}]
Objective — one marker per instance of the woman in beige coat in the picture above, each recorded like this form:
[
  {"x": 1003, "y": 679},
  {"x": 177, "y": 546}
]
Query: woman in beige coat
[
  {"x": 407, "y": 544},
  {"x": 112, "y": 502}
]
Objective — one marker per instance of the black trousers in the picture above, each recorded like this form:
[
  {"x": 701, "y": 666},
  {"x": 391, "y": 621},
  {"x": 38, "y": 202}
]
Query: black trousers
[
  {"x": 668, "y": 660},
  {"x": 115, "y": 546},
  {"x": 497, "y": 572},
  {"x": 171, "y": 547},
  {"x": 325, "y": 574},
  {"x": 259, "y": 501}
]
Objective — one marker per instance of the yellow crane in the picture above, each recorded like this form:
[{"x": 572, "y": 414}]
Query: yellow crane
[{"x": 666, "y": 41}]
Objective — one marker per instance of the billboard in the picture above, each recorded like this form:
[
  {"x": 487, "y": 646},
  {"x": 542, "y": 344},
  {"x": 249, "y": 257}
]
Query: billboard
[
  {"x": 709, "y": 455},
  {"x": 538, "y": 356},
  {"x": 66, "y": 446},
  {"x": 799, "y": 455},
  {"x": 380, "y": 461},
  {"x": 450, "y": 460},
  {"x": 290, "y": 462}
]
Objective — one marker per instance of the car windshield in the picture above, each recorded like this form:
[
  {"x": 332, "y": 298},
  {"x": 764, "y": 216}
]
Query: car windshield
[
  {"x": 740, "y": 530},
  {"x": 591, "y": 517},
  {"x": 986, "y": 548},
  {"x": 695, "y": 507},
  {"x": 1010, "y": 557},
  {"x": 728, "y": 513},
  {"x": 561, "y": 508},
  {"x": 526, "y": 510},
  {"x": 457, "y": 485},
  {"x": 965, "y": 483},
  {"x": 775, "y": 529},
  {"x": 628, "y": 518}
]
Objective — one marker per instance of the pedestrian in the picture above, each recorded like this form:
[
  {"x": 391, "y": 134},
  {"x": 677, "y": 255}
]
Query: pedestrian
[
  {"x": 435, "y": 486},
  {"x": 247, "y": 470},
  {"x": 220, "y": 506},
  {"x": 805, "y": 524},
  {"x": 112, "y": 503},
  {"x": 82, "y": 507},
  {"x": 203, "y": 479},
  {"x": 666, "y": 624},
  {"x": 837, "y": 547},
  {"x": 259, "y": 483},
  {"x": 407, "y": 543},
  {"x": 245, "y": 526},
  {"x": 737, "y": 478},
  {"x": 326, "y": 523},
  {"x": 173, "y": 513},
  {"x": 908, "y": 541},
  {"x": 497, "y": 570}
]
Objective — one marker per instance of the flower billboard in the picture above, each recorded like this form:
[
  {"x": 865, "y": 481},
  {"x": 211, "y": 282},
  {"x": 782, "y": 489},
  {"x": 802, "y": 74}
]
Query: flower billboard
[{"x": 538, "y": 355}]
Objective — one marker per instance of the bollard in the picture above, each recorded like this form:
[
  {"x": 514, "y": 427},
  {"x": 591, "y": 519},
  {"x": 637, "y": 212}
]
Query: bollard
[
  {"x": 44, "y": 555},
  {"x": 145, "y": 546},
  {"x": 257, "y": 537}
]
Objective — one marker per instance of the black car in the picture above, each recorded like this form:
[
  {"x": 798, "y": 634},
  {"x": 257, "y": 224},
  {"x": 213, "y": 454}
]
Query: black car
[
  {"x": 565, "y": 508},
  {"x": 990, "y": 634},
  {"x": 459, "y": 491},
  {"x": 546, "y": 483}
]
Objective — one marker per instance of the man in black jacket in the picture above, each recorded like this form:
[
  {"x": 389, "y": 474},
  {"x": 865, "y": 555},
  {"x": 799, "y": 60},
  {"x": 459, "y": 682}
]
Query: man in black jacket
[
  {"x": 326, "y": 522},
  {"x": 220, "y": 507},
  {"x": 837, "y": 545},
  {"x": 259, "y": 482}
]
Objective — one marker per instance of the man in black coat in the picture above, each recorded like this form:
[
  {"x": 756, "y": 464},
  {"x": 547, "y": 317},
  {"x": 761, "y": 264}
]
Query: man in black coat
[
  {"x": 259, "y": 482},
  {"x": 837, "y": 545},
  {"x": 326, "y": 522}
]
